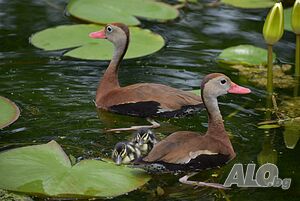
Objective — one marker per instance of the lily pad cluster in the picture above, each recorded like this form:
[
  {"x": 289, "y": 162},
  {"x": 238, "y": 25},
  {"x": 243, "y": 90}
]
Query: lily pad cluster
[
  {"x": 9, "y": 112},
  {"x": 46, "y": 170},
  {"x": 143, "y": 41},
  {"x": 250, "y": 61}
]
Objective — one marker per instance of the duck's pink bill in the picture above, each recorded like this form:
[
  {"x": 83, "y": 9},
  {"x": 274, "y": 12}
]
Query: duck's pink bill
[
  {"x": 236, "y": 89},
  {"x": 98, "y": 34}
]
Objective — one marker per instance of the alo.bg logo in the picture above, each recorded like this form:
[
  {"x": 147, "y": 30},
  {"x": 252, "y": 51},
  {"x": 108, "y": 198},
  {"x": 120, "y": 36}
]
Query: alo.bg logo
[{"x": 266, "y": 176}]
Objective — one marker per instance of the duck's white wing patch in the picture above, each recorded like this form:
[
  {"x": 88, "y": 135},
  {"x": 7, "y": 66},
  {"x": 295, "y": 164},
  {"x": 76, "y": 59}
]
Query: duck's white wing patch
[{"x": 193, "y": 155}]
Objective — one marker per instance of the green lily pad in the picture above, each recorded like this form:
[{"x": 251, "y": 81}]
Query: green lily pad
[
  {"x": 249, "y": 3},
  {"x": 46, "y": 169},
  {"x": 9, "y": 112},
  {"x": 244, "y": 55},
  {"x": 143, "y": 42},
  {"x": 125, "y": 11},
  {"x": 287, "y": 19}
]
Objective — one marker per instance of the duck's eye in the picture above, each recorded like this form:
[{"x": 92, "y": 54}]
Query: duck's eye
[
  {"x": 223, "y": 81},
  {"x": 109, "y": 29}
]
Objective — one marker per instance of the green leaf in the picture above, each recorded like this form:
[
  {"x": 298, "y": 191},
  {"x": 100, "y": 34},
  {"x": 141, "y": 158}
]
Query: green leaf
[
  {"x": 9, "y": 112},
  {"x": 125, "y": 11},
  {"x": 268, "y": 126},
  {"x": 143, "y": 42},
  {"x": 249, "y": 3},
  {"x": 244, "y": 55},
  {"x": 287, "y": 19},
  {"x": 46, "y": 169},
  {"x": 291, "y": 133}
]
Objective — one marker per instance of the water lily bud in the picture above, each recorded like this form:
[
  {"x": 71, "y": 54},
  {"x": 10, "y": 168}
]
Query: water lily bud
[
  {"x": 273, "y": 27},
  {"x": 296, "y": 17}
]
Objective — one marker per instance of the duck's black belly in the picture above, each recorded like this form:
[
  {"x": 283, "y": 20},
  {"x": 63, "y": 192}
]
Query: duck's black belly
[{"x": 202, "y": 162}]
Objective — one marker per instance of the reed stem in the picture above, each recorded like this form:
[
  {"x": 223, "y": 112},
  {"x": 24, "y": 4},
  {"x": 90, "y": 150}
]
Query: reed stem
[
  {"x": 270, "y": 70},
  {"x": 297, "y": 62}
]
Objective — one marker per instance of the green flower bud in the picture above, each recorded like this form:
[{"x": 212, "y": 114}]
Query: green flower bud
[
  {"x": 273, "y": 27},
  {"x": 296, "y": 17}
]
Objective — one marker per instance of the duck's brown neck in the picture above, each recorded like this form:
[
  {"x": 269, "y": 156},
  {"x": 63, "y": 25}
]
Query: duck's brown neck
[
  {"x": 110, "y": 80},
  {"x": 215, "y": 120}
]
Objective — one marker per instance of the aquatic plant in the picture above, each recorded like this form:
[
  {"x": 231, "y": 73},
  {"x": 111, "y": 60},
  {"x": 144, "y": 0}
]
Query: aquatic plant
[
  {"x": 272, "y": 32},
  {"x": 296, "y": 28}
]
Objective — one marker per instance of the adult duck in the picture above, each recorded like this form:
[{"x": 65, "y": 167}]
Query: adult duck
[
  {"x": 190, "y": 151},
  {"x": 144, "y": 99}
]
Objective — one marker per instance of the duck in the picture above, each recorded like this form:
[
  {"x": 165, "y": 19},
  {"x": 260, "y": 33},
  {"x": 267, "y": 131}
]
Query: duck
[
  {"x": 187, "y": 151},
  {"x": 125, "y": 152},
  {"x": 142, "y": 99},
  {"x": 145, "y": 139}
]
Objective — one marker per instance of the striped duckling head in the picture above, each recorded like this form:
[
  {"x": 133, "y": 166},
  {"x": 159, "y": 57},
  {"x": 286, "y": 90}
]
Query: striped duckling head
[{"x": 125, "y": 152}]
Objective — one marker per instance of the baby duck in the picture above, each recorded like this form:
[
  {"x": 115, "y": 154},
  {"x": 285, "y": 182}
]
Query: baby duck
[
  {"x": 125, "y": 152},
  {"x": 145, "y": 139}
]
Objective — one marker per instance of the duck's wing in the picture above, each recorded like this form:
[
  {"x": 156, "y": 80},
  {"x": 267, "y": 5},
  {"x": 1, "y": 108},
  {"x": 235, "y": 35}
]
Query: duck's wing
[
  {"x": 150, "y": 100},
  {"x": 187, "y": 150}
]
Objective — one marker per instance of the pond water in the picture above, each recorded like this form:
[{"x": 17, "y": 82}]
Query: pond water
[{"x": 55, "y": 93}]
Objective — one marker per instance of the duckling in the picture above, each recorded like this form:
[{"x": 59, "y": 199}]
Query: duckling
[
  {"x": 125, "y": 152},
  {"x": 145, "y": 139}
]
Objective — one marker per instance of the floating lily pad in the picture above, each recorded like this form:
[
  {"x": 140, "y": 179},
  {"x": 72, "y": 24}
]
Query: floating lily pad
[
  {"x": 125, "y": 11},
  {"x": 249, "y": 3},
  {"x": 143, "y": 42},
  {"x": 9, "y": 112},
  {"x": 244, "y": 55},
  {"x": 287, "y": 19},
  {"x": 46, "y": 169}
]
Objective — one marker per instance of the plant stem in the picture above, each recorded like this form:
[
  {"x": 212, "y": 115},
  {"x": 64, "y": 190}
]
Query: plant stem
[
  {"x": 297, "y": 62},
  {"x": 270, "y": 70}
]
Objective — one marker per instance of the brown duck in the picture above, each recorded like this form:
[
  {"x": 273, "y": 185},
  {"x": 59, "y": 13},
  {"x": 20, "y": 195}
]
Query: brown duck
[
  {"x": 144, "y": 99},
  {"x": 190, "y": 151}
]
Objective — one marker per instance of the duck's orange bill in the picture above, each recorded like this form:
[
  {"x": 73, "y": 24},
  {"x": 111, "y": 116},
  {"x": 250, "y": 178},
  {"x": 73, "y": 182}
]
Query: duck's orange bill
[
  {"x": 98, "y": 34},
  {"x": 236, "y": 89}
]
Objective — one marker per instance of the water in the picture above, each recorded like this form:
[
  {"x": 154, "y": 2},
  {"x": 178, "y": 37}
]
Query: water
[{"x": 55, "y": 93}]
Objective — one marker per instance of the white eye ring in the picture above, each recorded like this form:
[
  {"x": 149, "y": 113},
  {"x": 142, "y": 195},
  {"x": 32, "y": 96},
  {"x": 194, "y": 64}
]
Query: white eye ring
[
  {"x": 223, "y": 81},
  {"x": 109, "y": 29}
]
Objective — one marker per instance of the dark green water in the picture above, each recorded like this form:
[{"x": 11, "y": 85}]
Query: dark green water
[{"x": 55, "y": 93}]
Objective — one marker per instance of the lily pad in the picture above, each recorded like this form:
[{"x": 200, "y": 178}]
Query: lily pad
[
  {"x": 46, "y": 169},
  {"x": 244, "y": 55},
  {"x": 287, "y": 19},
  {"x": 143, "y": 42},
  {"x": 249, "y": 3},
  {"x": 125, "y": 11},
  {"x": 9, "y": 112}
]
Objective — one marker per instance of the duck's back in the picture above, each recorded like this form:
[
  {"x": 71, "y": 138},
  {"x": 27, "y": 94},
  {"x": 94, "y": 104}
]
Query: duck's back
[
  {"x": 148, "y": 99},
  {"x": 185, "y": 151}
]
